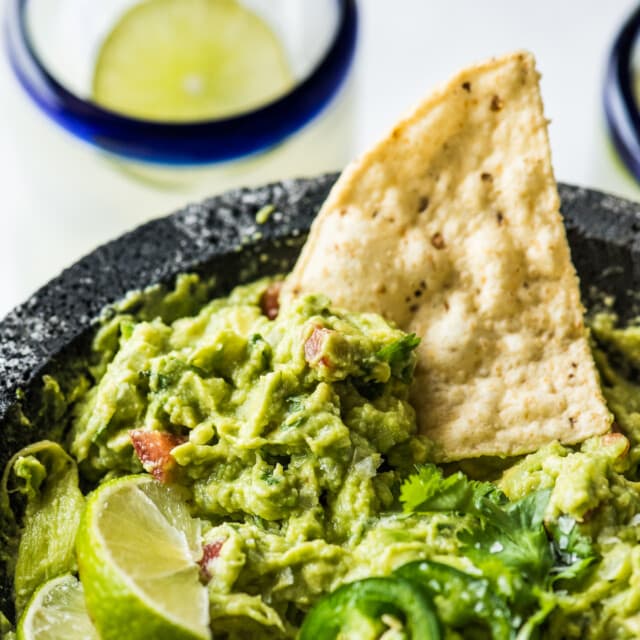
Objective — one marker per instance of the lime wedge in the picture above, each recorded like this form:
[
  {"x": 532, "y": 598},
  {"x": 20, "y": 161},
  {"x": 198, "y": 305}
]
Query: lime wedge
[
  {"x": 185, "y": 60},
  {"x": 57, "y": 611},
  {"x": 137, "y": 551}
]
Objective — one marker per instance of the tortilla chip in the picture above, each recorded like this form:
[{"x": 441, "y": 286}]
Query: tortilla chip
[{"x": 451, "y": 227}]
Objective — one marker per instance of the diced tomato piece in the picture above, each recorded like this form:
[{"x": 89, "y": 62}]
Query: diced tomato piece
[
  {"x": 153, "y": 449},
  {"x": 270, "y": 300},
  {"x": 313, "y": 346},
  {"x": 210, "y": 552}
]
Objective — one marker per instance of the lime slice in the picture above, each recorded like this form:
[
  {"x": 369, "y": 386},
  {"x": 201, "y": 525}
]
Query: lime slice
[
  {"x": 185, "y": 60},
  {"x": 57, "y": 611},
  {"x": 137, "y": 551}
]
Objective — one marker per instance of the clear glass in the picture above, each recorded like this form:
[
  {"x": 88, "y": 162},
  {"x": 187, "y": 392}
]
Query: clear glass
[
  {"x": 54, "y": 44},
  {"x": 82, "y": 189}
]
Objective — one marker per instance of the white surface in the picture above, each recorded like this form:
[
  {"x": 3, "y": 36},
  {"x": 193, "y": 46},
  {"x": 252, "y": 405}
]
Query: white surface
[{"x": 60, "y": 198}]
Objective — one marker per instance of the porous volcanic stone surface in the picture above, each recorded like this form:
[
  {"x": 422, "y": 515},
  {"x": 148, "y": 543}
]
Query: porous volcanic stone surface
[{"x": 604, "y": 235}]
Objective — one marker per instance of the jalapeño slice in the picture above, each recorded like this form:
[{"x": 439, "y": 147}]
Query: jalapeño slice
[
  {"x": 366, "y": 608},
  {"x": 460, "y": 599}
]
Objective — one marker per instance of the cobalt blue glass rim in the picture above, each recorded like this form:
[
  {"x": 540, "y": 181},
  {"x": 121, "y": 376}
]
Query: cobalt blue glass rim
[
  {"x": 175, "y": 144},
  {"x": 621, "y": 108}
]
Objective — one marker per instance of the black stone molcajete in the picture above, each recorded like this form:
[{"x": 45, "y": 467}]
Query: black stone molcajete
[{"x": 220, "y": 236}]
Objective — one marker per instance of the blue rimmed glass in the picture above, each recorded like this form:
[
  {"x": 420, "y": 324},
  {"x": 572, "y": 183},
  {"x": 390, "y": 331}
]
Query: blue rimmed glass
[
  {"x": 620, "y": 94},
  {"x": 176, "y": 144}
]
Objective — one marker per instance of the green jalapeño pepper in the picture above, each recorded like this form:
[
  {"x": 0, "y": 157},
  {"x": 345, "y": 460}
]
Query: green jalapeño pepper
[
  {"x": 368, "y": 608},
  {"x": 460, "y": 599}
]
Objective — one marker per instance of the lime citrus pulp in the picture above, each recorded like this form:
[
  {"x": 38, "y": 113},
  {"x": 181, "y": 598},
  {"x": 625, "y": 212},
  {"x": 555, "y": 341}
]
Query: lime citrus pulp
[
  {"x": 57, "y": 611},
  {"x": 138, "y": 549},
  {"x": 186, "y": 60}
]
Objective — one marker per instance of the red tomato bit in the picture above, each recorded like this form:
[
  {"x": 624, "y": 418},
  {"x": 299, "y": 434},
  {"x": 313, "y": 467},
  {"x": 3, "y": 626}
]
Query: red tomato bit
[
  {"x": 153, "y": 449},
  {"x": 313, "y": 346},
  {"x": 210, "y": 552},
  {"x": 270, "y": 300}
]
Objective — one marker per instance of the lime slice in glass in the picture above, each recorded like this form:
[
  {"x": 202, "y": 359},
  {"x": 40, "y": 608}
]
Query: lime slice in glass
[
  {"x": 138, "y": 549},
  {"x": 57, "y": 611},
  {"x": 186, "y": 60}
]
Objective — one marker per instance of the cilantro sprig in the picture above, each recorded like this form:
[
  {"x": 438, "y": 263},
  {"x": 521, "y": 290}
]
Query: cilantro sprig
[{"x": 507, "y": 542}]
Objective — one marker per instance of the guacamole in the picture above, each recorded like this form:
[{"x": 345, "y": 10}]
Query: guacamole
[{"x": 291, "y": 437}]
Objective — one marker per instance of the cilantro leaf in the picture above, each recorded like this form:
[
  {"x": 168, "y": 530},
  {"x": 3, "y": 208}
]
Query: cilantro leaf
[
  {"x": 515, "y": 535},
  {"x": 427, "y": 490},
  {"x": 400, "y": 357},
  {"x": 574, "y": 552},
  {"x": 399, "y": 350}
]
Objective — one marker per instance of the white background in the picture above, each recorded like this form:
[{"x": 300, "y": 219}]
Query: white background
[{"x": 59, "y": 198}]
